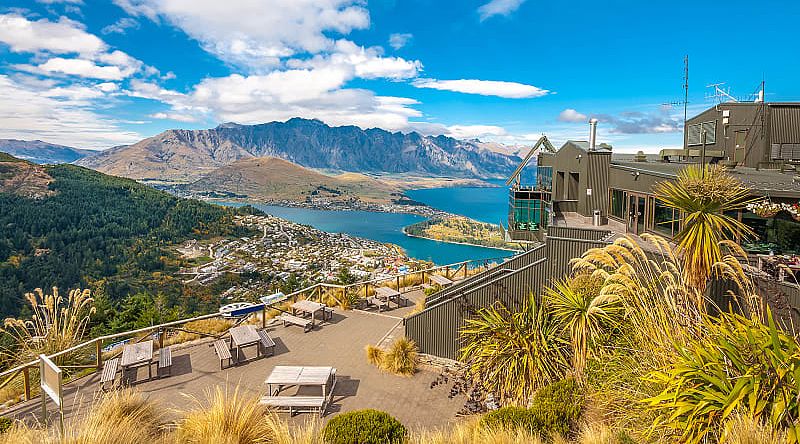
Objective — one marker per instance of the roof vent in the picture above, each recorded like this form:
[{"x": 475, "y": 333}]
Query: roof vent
[
  {"x": 592, "y": 134},
  {"x": 640, "y": 157}
]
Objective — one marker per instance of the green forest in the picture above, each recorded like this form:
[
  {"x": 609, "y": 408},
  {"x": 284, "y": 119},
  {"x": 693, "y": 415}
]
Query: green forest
[{"x": 113, "y": 236}]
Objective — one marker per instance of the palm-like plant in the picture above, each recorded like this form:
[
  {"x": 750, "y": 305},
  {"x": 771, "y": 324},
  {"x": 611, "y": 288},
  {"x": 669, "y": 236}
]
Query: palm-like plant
[
  {"x": 584, "y": 313},
  {"x": 512, "y": 354},
  {"x": 57, "y": 324},
  {"x": 705, "y": 196}
]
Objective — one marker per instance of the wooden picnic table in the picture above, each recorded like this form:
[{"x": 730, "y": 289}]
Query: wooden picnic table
[
  {"x": 285, "y": 376},
  {"x": 138, "y": 355},
  {"x": 441, "y": 280},
  {"x": 388, "y": 294},
  {"x": 244, "y": 336},
  {"x": 309, "y": 307}
]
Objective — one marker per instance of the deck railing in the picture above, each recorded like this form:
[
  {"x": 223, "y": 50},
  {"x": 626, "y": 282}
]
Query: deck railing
[{"x": 403, "y": 282}]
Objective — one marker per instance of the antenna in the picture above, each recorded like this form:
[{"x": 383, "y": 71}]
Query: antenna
[
  {"x": 721, "y": 93},
  {"x": 685, "y": 101}
]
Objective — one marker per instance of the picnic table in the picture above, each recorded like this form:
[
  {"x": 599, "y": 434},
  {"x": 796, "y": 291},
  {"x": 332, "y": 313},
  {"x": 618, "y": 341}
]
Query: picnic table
[
  {"x": 244, "y": 336},
  {"x": 285, "y": 376},
  {"x": 138, "y": 355},
  {"x": 387, "y": 294},
  {"x": 441, "y": 280},
  {"x": 309, "y": 307}
]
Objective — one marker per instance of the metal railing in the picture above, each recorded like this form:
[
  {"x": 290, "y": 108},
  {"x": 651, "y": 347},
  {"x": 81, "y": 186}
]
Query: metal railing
[{"x": 318, "y": 290}]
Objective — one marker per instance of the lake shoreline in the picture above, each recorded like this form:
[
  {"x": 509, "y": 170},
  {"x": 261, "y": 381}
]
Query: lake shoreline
[{"x": 458, "y": 243}]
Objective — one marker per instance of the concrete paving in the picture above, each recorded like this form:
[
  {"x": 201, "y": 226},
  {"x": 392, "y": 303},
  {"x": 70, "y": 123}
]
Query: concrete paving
[{"x": 339, "y": 343}]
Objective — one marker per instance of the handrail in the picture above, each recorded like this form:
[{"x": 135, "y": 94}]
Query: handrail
[{"x": 32, "y": 364}]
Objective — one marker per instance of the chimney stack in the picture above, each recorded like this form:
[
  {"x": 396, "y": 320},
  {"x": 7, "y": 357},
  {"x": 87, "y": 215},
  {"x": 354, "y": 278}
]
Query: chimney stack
[{"x": 592, "y": 134}]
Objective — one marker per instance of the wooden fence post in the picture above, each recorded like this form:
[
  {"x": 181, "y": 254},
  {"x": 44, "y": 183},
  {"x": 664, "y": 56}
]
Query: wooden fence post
[
  {"x": 160, "y": 338},
  {"x": 264, "y": 317},
  {"x": 398, "y": 283},
  {"x": 98, "y": 344},
  {"x": 26, "y": 383}
]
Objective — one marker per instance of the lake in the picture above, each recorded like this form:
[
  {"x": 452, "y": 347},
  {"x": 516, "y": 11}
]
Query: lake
[
  {"x": 483, "y": 204},
  {"x": 383, "y": 227}
]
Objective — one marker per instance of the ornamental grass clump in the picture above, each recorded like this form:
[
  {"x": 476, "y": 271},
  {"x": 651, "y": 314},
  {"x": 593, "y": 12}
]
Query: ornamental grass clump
[
  {"x": 227, "y": 417},
  {"x": 56, "y": 324},
  {"x": 401, "y": 358}
]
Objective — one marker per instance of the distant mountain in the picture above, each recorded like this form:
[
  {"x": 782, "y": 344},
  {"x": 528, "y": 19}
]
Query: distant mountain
[
  {"x": 509, "y": 150},
  {"x": 42, "y": 152},
  {"x": 270, "y": 178},
  {"x": 186, "y": 155}
]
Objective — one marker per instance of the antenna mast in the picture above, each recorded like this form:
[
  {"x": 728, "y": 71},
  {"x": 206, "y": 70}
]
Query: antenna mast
[{"x": 685, "y": 101}]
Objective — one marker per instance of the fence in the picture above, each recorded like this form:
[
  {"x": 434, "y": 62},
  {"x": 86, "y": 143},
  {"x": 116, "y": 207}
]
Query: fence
[
  {"x": 435, "y": 329},
  {"x": 92, "y": 349}
]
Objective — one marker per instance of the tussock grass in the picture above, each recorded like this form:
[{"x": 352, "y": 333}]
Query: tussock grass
[
  {"x": 742, "y": 429},
  {"x": 401, "y": 358},
  {"x": 227, "y": 417},
  {"x": 469, "y": 432},
  {"x": 374, "y": 355},
  {"x": 211, "y": 326}
]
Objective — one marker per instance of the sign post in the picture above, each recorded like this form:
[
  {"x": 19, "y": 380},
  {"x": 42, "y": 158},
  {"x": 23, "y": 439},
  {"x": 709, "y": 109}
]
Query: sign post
[{"x": 51, "y": 383}]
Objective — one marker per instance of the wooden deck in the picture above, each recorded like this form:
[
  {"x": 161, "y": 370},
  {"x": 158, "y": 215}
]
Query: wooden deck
[{"x": 337, "y": 343}]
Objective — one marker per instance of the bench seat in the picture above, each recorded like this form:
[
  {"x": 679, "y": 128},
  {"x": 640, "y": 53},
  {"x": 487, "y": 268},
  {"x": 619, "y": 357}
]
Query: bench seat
[
  {"x": 165, "y": 359},
  {"x": 381, "y": 304},
  {"x": 294, "y": 320},
  {"x": 267, "y": 342},
  {"x": 295, "y": 403},
  {"x": 223, "y": 352},
  {"x": 109, "y": 374}
]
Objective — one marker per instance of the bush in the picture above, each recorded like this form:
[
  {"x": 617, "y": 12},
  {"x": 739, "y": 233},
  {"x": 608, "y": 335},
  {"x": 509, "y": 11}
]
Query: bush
[
  {"x": 5, "y": 424},
  {"x": 554, "y": 410},
  {"x": 401, "y": 358},
  {"x": 364, "y": 427},
  {"x": 228, "y": 417}
]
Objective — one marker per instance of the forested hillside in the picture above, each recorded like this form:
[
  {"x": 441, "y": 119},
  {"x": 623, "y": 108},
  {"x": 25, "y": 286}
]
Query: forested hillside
[{"x": 109, "y": 234}]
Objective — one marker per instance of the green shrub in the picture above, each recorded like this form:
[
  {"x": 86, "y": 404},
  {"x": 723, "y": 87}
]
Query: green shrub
[
  {"x": 555, "y": 409},
  {"x": 558, "y": 407},
  {"x": 364, "y": 427},
  {"x": 5, "y": 424}
]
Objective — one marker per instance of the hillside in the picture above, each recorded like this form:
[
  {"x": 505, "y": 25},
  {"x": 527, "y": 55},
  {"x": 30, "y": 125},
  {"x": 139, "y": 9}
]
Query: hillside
[
  {"x": 23, "y": 178},
  {"x": 270, "y": 178},
  {"x": 42, "y": 152},
  {"x": 106, "y": 233},
  {"x": 187, "y": 155}
]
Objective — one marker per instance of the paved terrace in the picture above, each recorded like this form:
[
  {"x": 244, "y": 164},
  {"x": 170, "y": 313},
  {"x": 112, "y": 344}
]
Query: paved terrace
[{"x": 338, "y": 343}]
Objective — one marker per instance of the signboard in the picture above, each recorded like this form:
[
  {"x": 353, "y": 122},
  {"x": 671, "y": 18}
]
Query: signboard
[
  {"x": 273, "y": 298},
  {"x": 51, "y": 379}
]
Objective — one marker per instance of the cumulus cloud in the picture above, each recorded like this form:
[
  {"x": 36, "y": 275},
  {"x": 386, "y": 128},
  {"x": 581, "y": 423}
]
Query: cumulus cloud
[
  {"x": 474, "y": 131},
  {"x": 498, "y": 7},
  {"x": 57, "y": 115},
  {"x": 365, "y": 63},
  {"x": 570, "y": 115},
  {"x": 186, "y": 118},
  {"x": 62, "y": 37},
  {"x": 121, "y": 26},
  {"x": 259, "y": 33},
  {"x": 399, "y": 40},
  {"x": 509, "y": 90}
]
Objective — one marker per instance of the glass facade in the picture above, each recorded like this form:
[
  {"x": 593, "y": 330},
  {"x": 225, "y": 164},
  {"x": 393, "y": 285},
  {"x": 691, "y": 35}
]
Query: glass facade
[
  {"x": 779, "y": 234},
  {"x": 528, "y": 210},
  {"x": 617, "y": 203},
  {"x": 664, "y": 219}
]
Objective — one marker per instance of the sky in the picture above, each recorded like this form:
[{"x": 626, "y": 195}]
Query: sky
[{"x": 96, "y": 74}]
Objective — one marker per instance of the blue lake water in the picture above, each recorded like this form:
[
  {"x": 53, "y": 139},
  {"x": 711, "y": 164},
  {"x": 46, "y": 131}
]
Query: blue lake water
[
  {"x": 483, "y": 204},
  {"x": 383, "y": 227}
]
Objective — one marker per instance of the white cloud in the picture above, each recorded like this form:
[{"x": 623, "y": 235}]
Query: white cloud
[
  {"x": 399, "y": 40},
  {"x": 81, "y": 68},
  {"x": 570, "y": 115},
  {"x": 475, "y": 131},
  {"x": 62, "y": 37},
  {"x": 50, "y": 2},
  {"x": 121, "y": 26},
  {"x": 510, "y": 90},
  {"x": 257, "y": 33},
  {"x": 365, "y": 63},
  {"x": 174, "y": 116},
  {"x": 59, "y": 115},
  {"x": 498, "y": 7}
]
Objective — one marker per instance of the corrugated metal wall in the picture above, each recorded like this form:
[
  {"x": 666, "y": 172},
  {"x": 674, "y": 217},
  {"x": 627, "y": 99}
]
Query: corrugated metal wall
[
  {"x": 435, "y": 330},
  {"x": 785, "y": 124}
]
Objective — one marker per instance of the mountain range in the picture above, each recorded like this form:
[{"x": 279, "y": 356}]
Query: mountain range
[
  {"x": 42, "y": 152},
  {"x": 188, "y": 155}
]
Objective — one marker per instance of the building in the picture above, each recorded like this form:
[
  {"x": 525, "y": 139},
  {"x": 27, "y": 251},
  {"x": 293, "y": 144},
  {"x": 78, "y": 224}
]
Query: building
[{"x": 751, "y": 134}]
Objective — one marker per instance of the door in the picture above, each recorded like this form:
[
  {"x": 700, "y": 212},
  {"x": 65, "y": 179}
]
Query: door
[
  {"x": 636, "y": 214},
  {"x": 631, "y": 214},
  {"x": 640, "y": 219},
  {"x": 739, "y": 139}
]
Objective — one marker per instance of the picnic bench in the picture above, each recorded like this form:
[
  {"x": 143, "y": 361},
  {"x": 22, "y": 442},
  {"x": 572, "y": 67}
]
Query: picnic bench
[
  {"x": 109, "y": 374},
  {"x": 267, "y": 342},
  {"x": 165, "y": 359},
  {"x": 288, "y": 319},
  {"x": 284, "y": 376},
  {"x": 441, "y": 280},
  {"x": 378, "y": 302},
  {"x": 223, "y": 352},
  {"x": 137, "y": 355}
]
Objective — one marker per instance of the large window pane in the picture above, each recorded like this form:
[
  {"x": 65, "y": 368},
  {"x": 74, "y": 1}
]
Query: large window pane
[
  {"x": 618, "y": 203},
  {"x": 663, "y": 219}
]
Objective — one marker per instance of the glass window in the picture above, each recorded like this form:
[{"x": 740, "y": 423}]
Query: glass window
[
  {"x": 663, "y": 219},
  {"x": 618, "y": 203}
]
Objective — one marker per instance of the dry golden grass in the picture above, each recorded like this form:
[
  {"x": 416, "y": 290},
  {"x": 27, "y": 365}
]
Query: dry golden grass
[
  {"x": 469, "y": 432},
  {"x": 282, "y": 433},
  {"x": 401, "y": 358},
  {"x": 211, "y": 326},
  {"x": 745, "y": 430},
  {"x": 374, "y": 355},
  {"x": 228, "y": 417}
]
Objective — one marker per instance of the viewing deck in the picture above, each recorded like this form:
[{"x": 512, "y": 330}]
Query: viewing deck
[{"x": 338, "y": 343}]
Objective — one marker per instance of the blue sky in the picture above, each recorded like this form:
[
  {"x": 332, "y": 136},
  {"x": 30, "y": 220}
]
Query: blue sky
[{"x": 95, "y": 74}]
